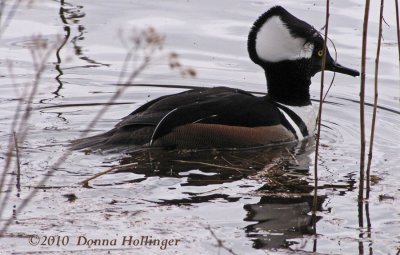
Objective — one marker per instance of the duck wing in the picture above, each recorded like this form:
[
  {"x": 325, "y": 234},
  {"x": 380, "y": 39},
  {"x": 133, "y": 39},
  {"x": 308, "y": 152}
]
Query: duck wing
[
  {"x": 154, "y": 111},
  {"x": 220, "y": 109},
  {"x": 233, "y": 108}
]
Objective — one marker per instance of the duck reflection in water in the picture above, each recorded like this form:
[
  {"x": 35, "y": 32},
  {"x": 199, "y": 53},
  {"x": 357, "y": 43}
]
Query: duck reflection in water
[
  {"x": 280, "y": 219},
  {"x": 282, "y": 212}
]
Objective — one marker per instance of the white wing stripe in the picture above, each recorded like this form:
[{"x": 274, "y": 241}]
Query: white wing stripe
[{"x": 158, "y": 125}]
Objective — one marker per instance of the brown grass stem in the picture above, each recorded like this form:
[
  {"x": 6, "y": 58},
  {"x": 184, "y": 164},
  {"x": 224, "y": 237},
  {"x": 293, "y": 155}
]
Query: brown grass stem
[
  {"x": 240, "y": 170},
  {"x": 153, "y": 43},
  {"x": 372, "y": 135},
  {"x": 319, "y": 118},
  {"x": 18, "y": 162},
  {"x": 396, "y": 2},
  {"x": 398, "y": 25},
  {"x": 85, "y": 183},
  {"x": 362, "y": 102}
]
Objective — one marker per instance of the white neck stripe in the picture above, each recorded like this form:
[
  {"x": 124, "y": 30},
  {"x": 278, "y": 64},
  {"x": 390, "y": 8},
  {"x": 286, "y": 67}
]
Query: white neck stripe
[{"x": 293, "y": 124}]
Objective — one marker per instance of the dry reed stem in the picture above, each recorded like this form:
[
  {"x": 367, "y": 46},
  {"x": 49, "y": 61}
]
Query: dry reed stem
[
  {"x": 18, "y": 162},
  {"x": 362, "y": 130},
  {"x": 42, "y": 52},
  {"x": 21, "y": 121},
  {"x": 150, "y": 42},
  {"x": 240, "y": 170},
  {"x": 398, "y": 33},
  {"x": 321, "y": 97},
  {"x": 372, "y": 136},
  {"x": 10, "y": 146},
  {"x": 85, "y": 183},
  {"x": 362, "y": 102}
]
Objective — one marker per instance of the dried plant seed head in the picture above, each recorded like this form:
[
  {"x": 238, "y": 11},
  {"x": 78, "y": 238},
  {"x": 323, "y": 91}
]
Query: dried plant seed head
[
  {"x": 173, "y": 55},
  {"x": 191, "y": 72}
]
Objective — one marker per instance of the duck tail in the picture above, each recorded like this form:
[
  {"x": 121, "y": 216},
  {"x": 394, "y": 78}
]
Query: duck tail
[{"x": 92, "y": 142}]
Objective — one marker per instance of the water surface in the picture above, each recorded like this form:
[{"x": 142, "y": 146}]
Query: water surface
[{"x": 256, "y": 201}]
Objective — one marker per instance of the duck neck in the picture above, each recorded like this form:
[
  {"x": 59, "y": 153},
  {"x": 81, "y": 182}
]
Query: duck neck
[{"x": 288, "y": 84}]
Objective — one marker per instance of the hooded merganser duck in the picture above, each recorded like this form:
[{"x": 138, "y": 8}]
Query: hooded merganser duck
[{"x": 290, "y": 52}]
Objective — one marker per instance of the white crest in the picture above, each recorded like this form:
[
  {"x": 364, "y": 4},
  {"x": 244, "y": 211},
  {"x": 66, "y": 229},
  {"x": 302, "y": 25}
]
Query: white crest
[{"x": 274, "y": 43}]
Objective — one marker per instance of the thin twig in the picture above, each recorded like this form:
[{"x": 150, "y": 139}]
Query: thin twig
[
  {"x": 41, "y": 66},
  {"x": 86, "y": 182},
  {"x": 321, "y": 96},
  {"x": 329, "y": 87},
  {"x": 22, "y": 122},
  {"x": 220, "y": 243},
  {"x": 26, "y": 201},
  {"x": 18, "y": 162},
  {"x": 115, "y": 96},
  {"x": 2, "y": 7},
  {"x": 227, "y": 161},
  {"x": 292, "y": 156},
  {"x": 154, "y": 43},
  {"x": 10, "y": 15},
  {"x": 213, "y": 165},
  {"x": 127, "y": 59},
  {"x": 10, "y": 147},
  {"x": 372, "y": 136},
  {"x": 362, "y": 102},
  {"x": 334, "y": 74},
  {"x": 398, "y": 32},
  {"x": 251, "y": 161}
]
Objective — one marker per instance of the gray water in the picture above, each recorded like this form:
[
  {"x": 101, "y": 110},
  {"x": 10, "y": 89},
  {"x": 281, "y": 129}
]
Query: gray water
[{"x": 167, "y": 199}]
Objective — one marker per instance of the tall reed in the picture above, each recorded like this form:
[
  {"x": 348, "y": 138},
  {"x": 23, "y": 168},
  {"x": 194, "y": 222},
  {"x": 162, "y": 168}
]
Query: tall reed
[
  {"x": 319, "y": 120},
  {"x": 398, "y": 33},
  {"x": 372, "y": 135},
  {"x": 362, "y": 102}
]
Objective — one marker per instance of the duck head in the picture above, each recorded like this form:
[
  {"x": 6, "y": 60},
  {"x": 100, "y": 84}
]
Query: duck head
[{"x": 290, "y": 51}]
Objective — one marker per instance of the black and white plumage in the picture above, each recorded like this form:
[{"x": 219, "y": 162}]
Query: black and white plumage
[{"x": 290, "y": 52}]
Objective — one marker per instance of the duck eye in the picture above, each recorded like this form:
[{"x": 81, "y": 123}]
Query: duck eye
[{"x": 320, "y": 53}]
